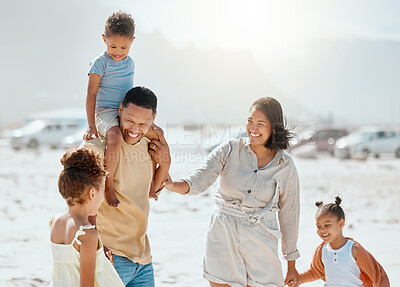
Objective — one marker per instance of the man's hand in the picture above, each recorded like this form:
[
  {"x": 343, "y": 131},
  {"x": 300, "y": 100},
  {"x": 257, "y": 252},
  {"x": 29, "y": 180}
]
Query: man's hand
[
  {"x": 109, "y": 254},
  {"x": 159, "y": 149},
  {"x": 90, "y": 133}
]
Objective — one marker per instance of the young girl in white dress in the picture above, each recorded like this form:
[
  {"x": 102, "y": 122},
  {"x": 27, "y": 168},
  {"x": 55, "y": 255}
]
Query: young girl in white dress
[{"x": 77, "y": 251}]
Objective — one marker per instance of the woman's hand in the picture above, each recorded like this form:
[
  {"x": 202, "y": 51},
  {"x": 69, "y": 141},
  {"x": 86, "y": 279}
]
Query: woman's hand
[
  {"x": 179, "y": 186},
  {"x": 292, "y": 276}
]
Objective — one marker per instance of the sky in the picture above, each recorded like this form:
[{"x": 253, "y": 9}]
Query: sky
[
  {"x": 322, "y": 59},
  {"x": 270, "y": 29}
]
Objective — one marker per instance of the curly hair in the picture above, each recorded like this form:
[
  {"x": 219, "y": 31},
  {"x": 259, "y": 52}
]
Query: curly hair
[
  {"x": 83, "y": 170},
  {"x": 331, "y": 208},
  {"x": 272, "y": 109},
  {"x": 120, "y": 23}
]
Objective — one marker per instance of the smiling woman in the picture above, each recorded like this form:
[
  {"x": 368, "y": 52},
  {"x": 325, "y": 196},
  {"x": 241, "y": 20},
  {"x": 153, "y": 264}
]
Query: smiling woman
[{"x": 258, "y": 180}]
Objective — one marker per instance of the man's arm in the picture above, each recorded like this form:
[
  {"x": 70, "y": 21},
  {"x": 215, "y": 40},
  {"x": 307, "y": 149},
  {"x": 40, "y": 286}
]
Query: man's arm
[{"x": 159, "y": 150}]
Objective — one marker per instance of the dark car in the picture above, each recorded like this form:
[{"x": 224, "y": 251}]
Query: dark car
[{"x": 323, "y": 139}]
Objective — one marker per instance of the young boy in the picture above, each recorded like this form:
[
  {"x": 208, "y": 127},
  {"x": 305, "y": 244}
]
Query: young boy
[{"x": 110, "y": 77}]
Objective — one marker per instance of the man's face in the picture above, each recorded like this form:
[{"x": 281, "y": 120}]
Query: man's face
[{"x": 135, "y": 122}]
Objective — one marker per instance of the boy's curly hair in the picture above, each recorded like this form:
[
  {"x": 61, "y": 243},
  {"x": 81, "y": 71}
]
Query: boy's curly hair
[
  {"x": 83, "y": 170},
  {"x": 120, "y": 23}
]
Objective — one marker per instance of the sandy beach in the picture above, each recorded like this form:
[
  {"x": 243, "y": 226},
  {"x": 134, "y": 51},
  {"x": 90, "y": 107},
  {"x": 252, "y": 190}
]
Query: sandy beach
[{"x": 178, "y": 224}]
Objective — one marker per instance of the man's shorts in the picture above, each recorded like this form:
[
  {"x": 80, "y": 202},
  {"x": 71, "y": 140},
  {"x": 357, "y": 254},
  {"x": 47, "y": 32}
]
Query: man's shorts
[{"x": 105, "y": 119}]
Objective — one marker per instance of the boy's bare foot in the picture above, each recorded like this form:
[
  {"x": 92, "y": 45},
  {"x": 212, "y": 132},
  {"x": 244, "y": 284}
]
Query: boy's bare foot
[{"x": 111, "y": 197}]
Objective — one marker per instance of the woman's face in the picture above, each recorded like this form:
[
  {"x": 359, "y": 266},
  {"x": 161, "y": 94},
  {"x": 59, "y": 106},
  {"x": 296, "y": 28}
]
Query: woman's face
[{"x": 258, "y": 127}]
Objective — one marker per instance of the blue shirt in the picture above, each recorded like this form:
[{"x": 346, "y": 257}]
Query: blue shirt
[{"x": 116, "y": 80}]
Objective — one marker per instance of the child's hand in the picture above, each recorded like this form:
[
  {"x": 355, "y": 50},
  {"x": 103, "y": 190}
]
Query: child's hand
[
  {"x": 154, "y": 132},
  {"x": 91, "y": 133},
  {"x": 109, "y": 254}
]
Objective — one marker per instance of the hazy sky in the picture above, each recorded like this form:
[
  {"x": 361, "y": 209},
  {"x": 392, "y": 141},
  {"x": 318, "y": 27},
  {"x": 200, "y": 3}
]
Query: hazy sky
[
  {"x": 270, "y": 29},
  {"x": 339, "y": 58}
]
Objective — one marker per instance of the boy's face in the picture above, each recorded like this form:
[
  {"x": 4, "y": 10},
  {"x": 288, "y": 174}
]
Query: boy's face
[
  {"x": 118, "y": 46},
  {"x": 135, "y": 122}
]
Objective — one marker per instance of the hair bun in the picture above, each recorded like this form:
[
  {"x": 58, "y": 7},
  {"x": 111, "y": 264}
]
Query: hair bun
[
  {"x": 319, "y": 203},
  {"x": 338, "y": 200}
]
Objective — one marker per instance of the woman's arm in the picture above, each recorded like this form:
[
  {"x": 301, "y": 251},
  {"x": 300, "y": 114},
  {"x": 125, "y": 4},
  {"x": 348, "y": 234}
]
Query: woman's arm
[
  {"x": 93, "y": 87},
  {"x": 289, "y": 213},
  {"x": 87, "y": 251},
  {"x": 179, "y": 186},
  {"x": 205, "y": 175},
  {"x": 292, "y": 276}
]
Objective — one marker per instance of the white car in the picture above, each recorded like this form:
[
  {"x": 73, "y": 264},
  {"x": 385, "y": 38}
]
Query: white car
[
  {"x": 73, "y": 140},
  {"x": 38, "y": 132},
  {"x": 364, "y": 142}
]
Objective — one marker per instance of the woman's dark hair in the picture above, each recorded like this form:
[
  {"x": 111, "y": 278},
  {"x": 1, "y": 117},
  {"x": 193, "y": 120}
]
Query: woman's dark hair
[
  {"x": 120, "y": 23},
  {"x": 272, "y": 109},
  {"x": 83, "y": 169},
  {"x": 331, "y": 208},
  {"x": 141, "y": 97}
]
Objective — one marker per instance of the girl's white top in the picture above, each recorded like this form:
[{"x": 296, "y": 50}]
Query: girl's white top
[
  {"x": 66, "y": 265},
  {"x": 341, "y": 268}
]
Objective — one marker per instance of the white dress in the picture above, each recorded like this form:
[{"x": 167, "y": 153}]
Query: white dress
[{"x": 66, "y": 265}]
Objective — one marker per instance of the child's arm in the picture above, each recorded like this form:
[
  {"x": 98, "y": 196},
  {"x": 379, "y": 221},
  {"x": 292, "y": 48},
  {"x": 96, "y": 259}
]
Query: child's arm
[
  {"x": 87, "y": 251},
  {"x": 369, "y": 266},
  {"x": 316, "y": 270},
  {"x": 93, "y": 86}
]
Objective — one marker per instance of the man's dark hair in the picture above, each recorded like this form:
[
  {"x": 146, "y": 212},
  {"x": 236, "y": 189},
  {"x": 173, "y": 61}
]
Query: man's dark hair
[
  {"x": 120, "y": 23},
  {"x": 141, "y": 97}
]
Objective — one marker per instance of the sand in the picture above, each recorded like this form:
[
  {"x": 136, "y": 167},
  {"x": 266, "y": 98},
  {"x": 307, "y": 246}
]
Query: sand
[{"x": 178, "y": 224}]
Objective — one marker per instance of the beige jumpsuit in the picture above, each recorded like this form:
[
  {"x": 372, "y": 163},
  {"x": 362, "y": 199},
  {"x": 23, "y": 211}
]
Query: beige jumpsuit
[{"x": 242, "y": 241}]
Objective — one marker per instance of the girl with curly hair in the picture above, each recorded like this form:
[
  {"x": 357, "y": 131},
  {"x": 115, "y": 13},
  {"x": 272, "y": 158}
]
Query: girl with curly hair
[{"x": 77, "y": 251}]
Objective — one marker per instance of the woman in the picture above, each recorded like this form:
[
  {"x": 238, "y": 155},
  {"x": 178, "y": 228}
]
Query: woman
[{"x": 258, "y": 180}]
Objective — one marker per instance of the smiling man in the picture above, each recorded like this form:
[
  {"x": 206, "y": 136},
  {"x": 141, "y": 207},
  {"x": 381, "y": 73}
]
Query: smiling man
[{"x": 123, "y": 230}]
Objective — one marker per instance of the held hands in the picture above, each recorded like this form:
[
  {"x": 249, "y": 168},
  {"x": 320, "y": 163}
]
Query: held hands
[
  {"x": 292, "y": 277},
  {"x": 90, "y": 133}
]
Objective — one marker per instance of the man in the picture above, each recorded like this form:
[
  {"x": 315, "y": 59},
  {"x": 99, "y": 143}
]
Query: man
[{"x": 123, "y": 229}]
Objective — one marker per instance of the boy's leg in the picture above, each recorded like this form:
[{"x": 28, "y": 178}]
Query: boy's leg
[
  {"x": 114, "y": 142},
  {"x": 144, "y": 277}
]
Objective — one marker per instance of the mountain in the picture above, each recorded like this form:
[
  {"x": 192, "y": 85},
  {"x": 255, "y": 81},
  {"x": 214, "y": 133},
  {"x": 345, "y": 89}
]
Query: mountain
[{"x": 46, "y": 66}]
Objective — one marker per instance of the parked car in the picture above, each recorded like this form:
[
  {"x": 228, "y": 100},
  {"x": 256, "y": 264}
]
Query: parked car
[
  {"x": 368, "y": 141},
  {"x": 38, "y": 132},
  {"x": 73, "y": 140},
  {"x": 324, "y": 139}
]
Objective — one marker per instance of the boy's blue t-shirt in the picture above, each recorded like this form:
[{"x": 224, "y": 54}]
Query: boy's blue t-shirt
[{"x": 116, "y": 80}]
